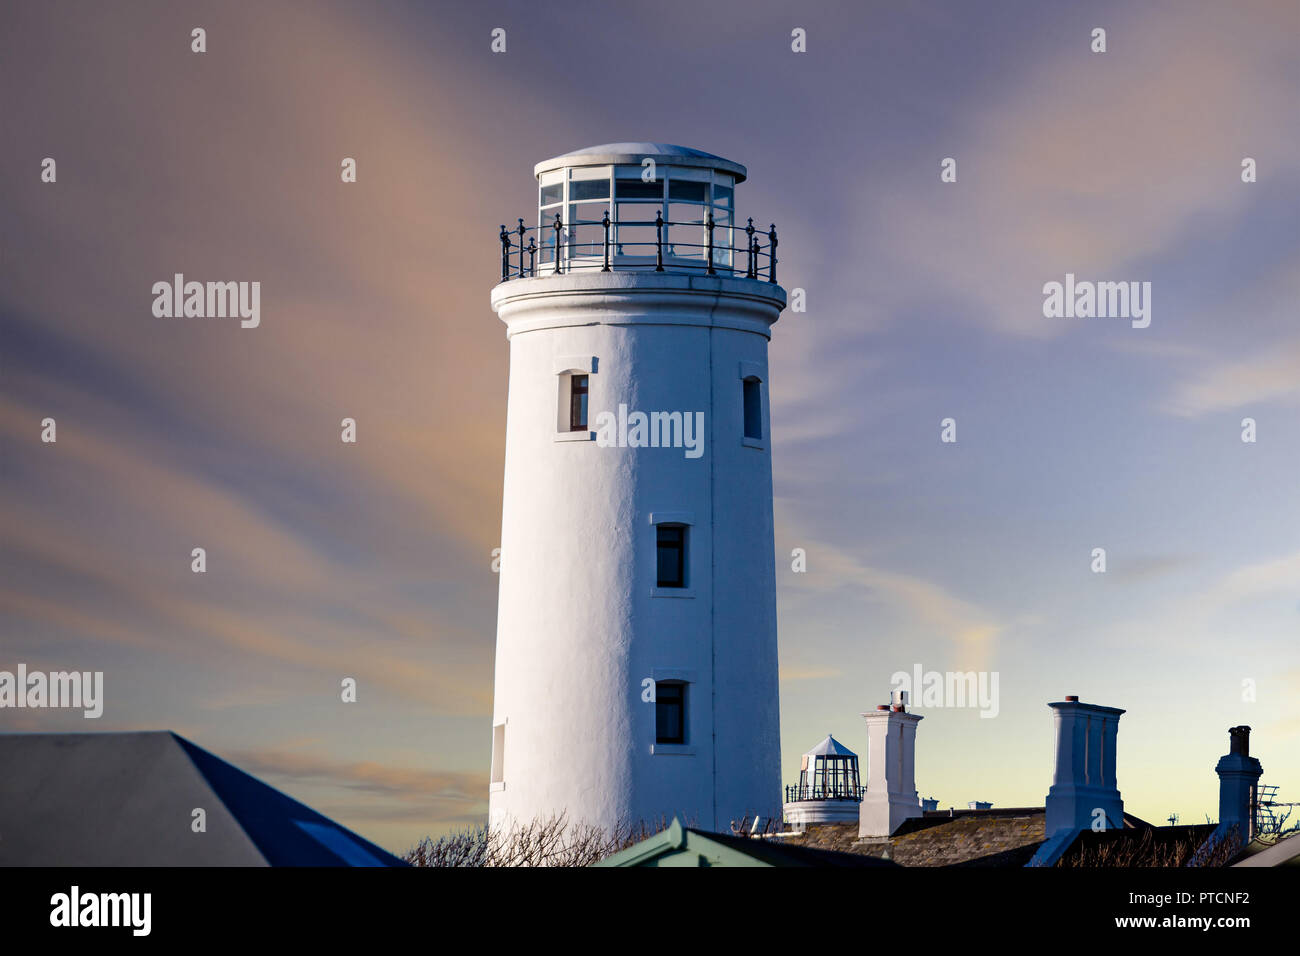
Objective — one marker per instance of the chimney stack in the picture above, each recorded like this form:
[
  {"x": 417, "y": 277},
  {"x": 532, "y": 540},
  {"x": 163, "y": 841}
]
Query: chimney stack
[
  {"x": 1239, "y": 774},
  {"x": 1083, "y": 788},
  {"x": 891, "y": 795}
]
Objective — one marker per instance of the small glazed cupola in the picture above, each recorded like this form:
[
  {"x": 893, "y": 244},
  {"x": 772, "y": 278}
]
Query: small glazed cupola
[
  {"x": 1239, "y": 775},
  {"x": 638, "y": 207},
  {"x": 829, "y": 787},
  {"x": 829, "y": 772}
]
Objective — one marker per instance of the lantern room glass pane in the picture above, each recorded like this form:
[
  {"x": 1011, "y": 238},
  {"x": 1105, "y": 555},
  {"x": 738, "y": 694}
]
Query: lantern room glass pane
[
  {"x": 551, "y": 194},
  {"x": 581, "y": 190},
  {"x": 589, "y": 172},
  {"x": 641, "y": 213},
  {"x": 687, "y": 236},
  {"x": 636, "y": 189},
  {"x": 635, "y": 241},
  {"x": 724, "y": 238},
  {"x": 586, "y": 229},
  {"x": 636, "y": 234},
  {"x": 688, "y": 190}
]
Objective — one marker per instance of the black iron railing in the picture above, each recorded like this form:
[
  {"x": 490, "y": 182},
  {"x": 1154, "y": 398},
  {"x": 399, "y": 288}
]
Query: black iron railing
[
  {"x": 644, "y": 245},
  {"x": 835, "y": 792}
]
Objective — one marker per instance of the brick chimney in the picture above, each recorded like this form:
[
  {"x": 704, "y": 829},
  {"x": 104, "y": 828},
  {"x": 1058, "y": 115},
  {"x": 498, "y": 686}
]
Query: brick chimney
[
  {"x": 1083, "y": 788},
  {"x": 1238, "y": 777},
  {"x": 891, "y": 795}
]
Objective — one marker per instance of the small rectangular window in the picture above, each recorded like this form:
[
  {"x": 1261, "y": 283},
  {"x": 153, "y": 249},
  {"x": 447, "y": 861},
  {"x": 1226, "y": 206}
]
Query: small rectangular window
[
  {"x": 498, "y": 753},
  {"x": 670, "y": 712},
  {"x": 577, "y": 403},
  {"x": 671, "y": 546},
  {"x": 753, "y": 409}
]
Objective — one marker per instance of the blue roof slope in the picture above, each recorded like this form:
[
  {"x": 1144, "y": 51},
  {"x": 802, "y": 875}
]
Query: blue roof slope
[
  {"x": 130, "y": 799},
  {"x": 286, "y": 832}
]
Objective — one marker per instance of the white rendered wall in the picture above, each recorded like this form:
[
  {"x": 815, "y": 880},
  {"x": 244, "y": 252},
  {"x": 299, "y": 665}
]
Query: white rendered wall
[
  {"x": 801, "y": 813},
  {"x": 891, "y": 795},
  {"x": 578, "y": 628},
  {"x": 1084, "y": 781}
]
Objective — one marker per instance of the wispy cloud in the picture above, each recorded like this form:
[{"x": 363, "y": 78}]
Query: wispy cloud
[
  {"x": 1271, "y": 376},
  {"x": 393, "y": 793},
  {"x": 1102, "y": 165},
  {"x": 925, "y": 604}
]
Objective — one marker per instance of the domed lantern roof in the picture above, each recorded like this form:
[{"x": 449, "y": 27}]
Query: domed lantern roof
[{"x": 634, "y": 154}]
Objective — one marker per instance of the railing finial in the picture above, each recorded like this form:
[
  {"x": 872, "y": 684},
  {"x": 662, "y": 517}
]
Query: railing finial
[
  {"x": 751, "y": 246},
  {"x": 557, "y": 226},
  {"x": 708, "y": 225},
  {"x": 771, "y": 265},
  {"x": 605, "y": 222},
  {"x": 659, "y": 241}
]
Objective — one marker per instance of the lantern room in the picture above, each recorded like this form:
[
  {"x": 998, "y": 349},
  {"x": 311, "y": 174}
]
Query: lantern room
[
  {"x": 829, "y": 788},
  {"x": 638, "y": 206}
]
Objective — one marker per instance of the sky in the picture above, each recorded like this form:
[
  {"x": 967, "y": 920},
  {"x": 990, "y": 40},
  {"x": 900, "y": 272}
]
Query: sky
[{"x": 924, "y": 302}]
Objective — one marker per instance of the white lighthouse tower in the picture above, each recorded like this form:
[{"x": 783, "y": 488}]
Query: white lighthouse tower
[{"x": 636, "y": 656}]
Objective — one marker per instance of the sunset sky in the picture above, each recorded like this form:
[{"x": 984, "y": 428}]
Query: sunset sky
[{"x": 925, "y": 301}]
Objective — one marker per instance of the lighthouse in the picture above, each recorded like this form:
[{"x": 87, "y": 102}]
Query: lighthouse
[{"x": 636, "y": 651}]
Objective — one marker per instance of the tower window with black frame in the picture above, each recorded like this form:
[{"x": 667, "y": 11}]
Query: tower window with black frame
[
  {"x": 671, "y": 556},
  {"x": 578, "y": 403},
  {"x": 670, "y": 712},
  {"x": 753, "y": 401}
]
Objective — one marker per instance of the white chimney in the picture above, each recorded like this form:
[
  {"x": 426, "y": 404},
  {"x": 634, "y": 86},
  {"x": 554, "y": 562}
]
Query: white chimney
[
  {"x": 1239, "y": 774},
  {"x": 1083, "y": 793},
  {"x": 891, "y": 795}
]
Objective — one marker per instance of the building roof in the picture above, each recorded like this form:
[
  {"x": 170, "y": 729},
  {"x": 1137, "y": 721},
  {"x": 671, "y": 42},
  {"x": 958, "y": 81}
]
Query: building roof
[
  {"x": 1265, "y": 852},
  {"x": 830, "y": 747},
  {"x": 686, "y": 846},
  {"x": 633, "y": 154},
  {"x": 999, "y": 836},
  {"x": 128, "y": 799},
  {"x": 1004, "y": 837}
]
